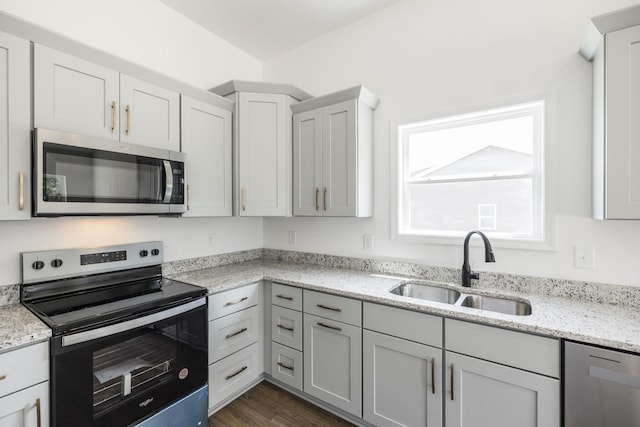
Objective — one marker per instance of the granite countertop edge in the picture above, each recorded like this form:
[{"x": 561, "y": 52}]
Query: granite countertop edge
[
  {"x": 614, "y": 326},
  {"x": 608, "y": 325}
]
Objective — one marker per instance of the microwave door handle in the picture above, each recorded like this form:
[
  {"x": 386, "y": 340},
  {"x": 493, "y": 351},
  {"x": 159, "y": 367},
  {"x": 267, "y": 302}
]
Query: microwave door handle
[{"x": 168, "y": 188}]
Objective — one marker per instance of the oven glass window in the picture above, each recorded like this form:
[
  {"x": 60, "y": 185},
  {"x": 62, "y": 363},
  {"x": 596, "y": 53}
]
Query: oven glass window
[
  {"x": 75, "y": 174},
  {"x": 129, "y": 367}
]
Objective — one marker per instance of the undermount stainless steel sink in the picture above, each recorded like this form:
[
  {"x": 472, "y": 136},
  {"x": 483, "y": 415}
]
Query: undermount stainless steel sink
[
  {"x": 430, "y": 292},
  {"x": 438, "y": 293},
  {"x": 497, "y": 304}
]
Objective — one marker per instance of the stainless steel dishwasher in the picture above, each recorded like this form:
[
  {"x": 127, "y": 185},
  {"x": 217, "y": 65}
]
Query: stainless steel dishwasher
[{"x": 602, "y": 387}]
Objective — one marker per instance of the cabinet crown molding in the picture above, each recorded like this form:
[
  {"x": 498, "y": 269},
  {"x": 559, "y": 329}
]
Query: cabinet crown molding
[
  {"x": 607, "y": 23},
  {"x": 233, "y": 86},
  {"x": 357, "y": 92}
]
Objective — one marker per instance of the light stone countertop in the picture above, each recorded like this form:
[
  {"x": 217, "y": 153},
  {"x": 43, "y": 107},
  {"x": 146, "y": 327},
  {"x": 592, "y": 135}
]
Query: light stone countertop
[
  {"x": 19, "y": 327},
  {"x": 609, "y": 325}
]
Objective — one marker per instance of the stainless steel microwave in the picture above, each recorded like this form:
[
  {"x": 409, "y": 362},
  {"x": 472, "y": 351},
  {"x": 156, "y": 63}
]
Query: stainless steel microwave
[{"x": 80, "y": 175}]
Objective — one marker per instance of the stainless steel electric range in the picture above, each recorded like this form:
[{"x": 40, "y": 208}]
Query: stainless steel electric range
[{"x": 128, "y": 346}]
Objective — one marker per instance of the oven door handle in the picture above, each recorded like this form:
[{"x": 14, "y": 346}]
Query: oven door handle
[{"x": 105, "y": 331}]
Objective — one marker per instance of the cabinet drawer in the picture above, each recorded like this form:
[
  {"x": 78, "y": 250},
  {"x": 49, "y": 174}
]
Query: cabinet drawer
[
  {"x": 286, "y": 327},
  {"x": 24, "y": 367},
  {"x": 286, "y": 365},
  {"x": 233, "y": 373},
  {"x": 233, "y": 332},
  {"x": 402, "y": 323},
  {"x": 333, "y": 307},
  {"x": 518, "y": 349},
  {"x": 286, "y": 296},
  {"x": 234, "y": 300}
]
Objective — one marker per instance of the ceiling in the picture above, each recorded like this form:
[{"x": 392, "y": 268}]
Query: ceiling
[{"x": 266, "y": 28}]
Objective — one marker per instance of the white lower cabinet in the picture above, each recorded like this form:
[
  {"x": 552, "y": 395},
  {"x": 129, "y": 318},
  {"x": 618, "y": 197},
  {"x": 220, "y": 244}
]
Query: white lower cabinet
[
  {"x": 26, "y": 408},
  {"x": 401, "y": 382},
  {"x": 486, "y": 394},
  {"x": 24, "y": 387},
  {"x": 333, "y": 363},
  {"x": 521, "y": 389},
  {"x": 235, "y": 336},
  {"x": 233, "y": 373},
  {"x": 286, "y": 365}
]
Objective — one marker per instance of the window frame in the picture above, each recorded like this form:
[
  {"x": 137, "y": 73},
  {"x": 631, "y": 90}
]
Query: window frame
[{"x": 543, "y": 195}]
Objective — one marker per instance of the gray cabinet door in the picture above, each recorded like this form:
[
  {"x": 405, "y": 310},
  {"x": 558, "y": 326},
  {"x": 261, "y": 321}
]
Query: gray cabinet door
[
  {"x": 484, "y": 394},
  {"x": 333, "y": 363},
  {"x": 206, "y": 139},
  {"x": 307, "y": 163},
  {"x": 15, "y": 117},
  {"x": 402, "y": 382},
  {"x": 74, "y": 95}
]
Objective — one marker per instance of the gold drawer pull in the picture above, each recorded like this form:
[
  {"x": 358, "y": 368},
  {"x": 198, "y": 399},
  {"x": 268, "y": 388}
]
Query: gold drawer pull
[
  {"x": 21, "y": 195},
  {"x": 38, "y": 412},
  {"x": 128, "y": 110},
  {"x": 3, "y": 377},
  {"x": 236, "y": 333},
  {"x": 325, "y": 198},
  {"x": 285, "y": 297},
  {"x": 238, "y": 372},
  {"x": 317, "y": 193},
  {"x": 329, "y": 308},
  {"x": 113, "y": 116},
  {"x": 236, "y": 302},
  {"x": 286, "y": 328},
  {"x": 282, "y": 365},
  {"x": 335, "y": 328}
]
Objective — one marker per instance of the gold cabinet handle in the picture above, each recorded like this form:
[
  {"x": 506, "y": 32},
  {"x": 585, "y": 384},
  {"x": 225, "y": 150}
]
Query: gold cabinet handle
[
  {"x": 3, "y": 377},
  {"x": 113, "y": 116},
  {"x": 324, "y": 325},
  {"x": 326, "y": 307},
  {"x": 282, "y": 365},
  {"x": 317, "y": 194},
  {"x": 324, "y": 197},
  {"x": 244, "y": 199},
  {"x": 21, "y": 195},
  {"x": 433, "y": 376},
  {"x": 452, "y": 381},
  {"x": 236, "y": 301},
  {"x": 286, "y": 328},
  {"x": 128, "y": 110},
  {"x": 235, "y": 333},
  {"x": 285, "y": 297},
  {"x": 238, "y": 372},
  {"x": 38, "y": 412}
]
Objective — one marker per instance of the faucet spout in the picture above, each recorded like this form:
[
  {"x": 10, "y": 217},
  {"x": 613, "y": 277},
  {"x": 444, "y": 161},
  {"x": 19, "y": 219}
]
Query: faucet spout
[{"x": 467, "y": 274}]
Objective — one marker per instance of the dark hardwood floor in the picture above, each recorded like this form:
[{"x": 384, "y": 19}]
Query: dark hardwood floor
[{"x": 268, "y": 405}]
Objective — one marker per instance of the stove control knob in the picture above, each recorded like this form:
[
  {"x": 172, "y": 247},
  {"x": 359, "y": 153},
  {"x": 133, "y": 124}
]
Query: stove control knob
[
  {"x": 56, "y": 263},
  {"x": 37, "y": 265},
  {"x": 155, "y": 252},
  {"x": 144, "y": 253}
]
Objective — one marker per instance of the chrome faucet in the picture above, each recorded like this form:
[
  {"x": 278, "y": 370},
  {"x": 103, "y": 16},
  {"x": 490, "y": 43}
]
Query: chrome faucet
[{"x": 467, "y": 274}]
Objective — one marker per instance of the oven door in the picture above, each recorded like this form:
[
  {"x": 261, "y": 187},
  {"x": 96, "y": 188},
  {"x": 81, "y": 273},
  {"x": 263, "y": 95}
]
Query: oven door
[
  {"x": 120, "y": 374},
  {"x": 79, "y": 175}
]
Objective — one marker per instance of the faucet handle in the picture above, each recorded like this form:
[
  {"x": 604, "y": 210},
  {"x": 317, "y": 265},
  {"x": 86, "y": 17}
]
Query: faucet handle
[{"x": 474, "y": 275}]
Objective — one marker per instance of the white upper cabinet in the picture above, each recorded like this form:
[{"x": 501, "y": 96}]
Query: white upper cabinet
[
  {"x": 150, "y": 115},
  {"x": 206, "y": 139},
  {"x": 15, "y": 117},
  {"x": 333, "y": 154},
  {"x": 614, "y": 48},
  {"x": 262, "y": 146},
  {"x": 75, "y": 95}
]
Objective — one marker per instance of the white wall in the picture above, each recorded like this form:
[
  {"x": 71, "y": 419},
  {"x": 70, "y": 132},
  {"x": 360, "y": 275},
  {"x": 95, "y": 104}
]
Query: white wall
[
  {"x": 150, "y": 34},
  {"x": 425, "y": 58}
]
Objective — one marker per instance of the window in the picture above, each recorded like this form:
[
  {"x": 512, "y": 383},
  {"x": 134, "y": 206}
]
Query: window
[{"x": 482, "y": 170}]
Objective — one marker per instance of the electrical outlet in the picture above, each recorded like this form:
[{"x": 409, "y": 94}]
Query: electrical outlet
[
  {"x": 292, "y": 237},
  {"x": 367, "y": 242},
  {"x": 211, "y": 240},
  {"x": 584, "y": 257}
]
